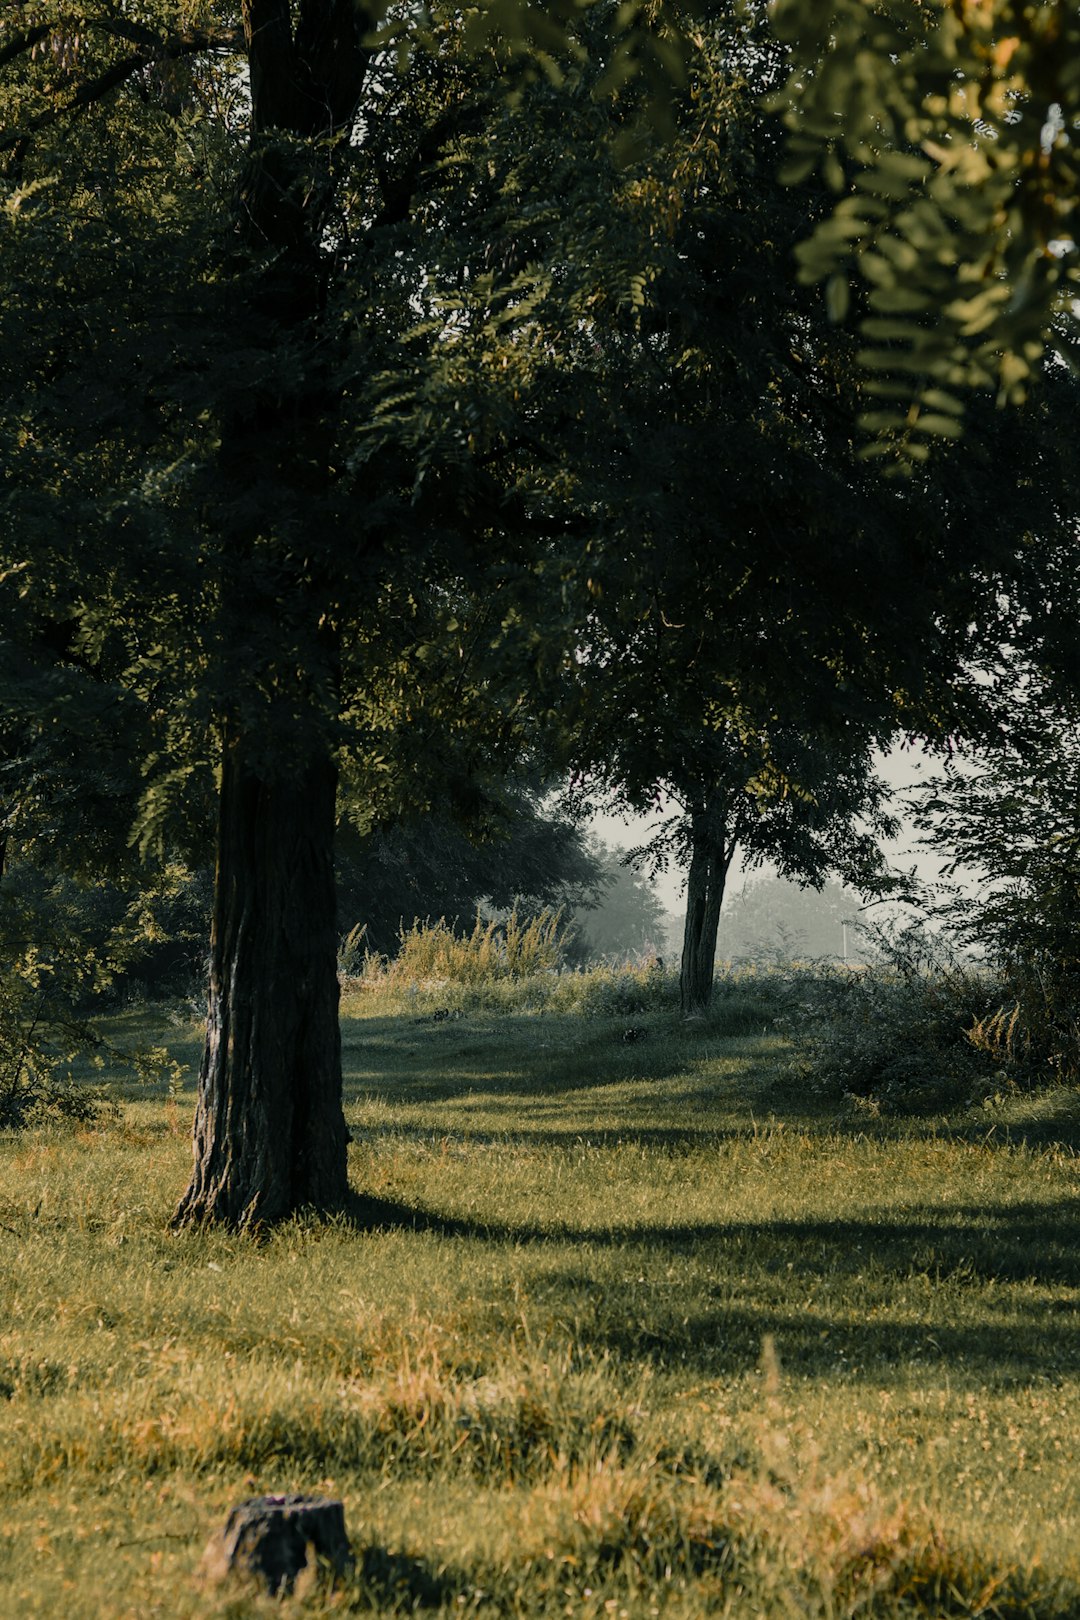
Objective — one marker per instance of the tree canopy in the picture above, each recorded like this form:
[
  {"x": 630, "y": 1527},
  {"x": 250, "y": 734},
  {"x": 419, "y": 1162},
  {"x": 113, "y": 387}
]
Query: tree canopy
[{"x": 368, "y": 429}]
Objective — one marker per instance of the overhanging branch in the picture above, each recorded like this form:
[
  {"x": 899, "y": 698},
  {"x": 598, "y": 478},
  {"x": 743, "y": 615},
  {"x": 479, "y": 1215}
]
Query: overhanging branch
[
  {"x": 172, "y": 49},
  {"x": 22, "y": 43}
]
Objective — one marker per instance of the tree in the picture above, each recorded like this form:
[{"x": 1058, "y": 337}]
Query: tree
[
  {"x": 279, "y": 488},
  {"x": 226, "y": 580},
  {"x": 794, "y": 801},
  {"x": 772, "y": 914},
  {"x": 432, "y": 866},
  {"x": 624, "y": 916},
  {"x": 755, "y": 647}
]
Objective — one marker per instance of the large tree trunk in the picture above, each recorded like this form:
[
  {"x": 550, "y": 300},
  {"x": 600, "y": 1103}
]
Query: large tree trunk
[
  {"x": 710, "y": 858},
  {"x": 270, "y": 1136}
]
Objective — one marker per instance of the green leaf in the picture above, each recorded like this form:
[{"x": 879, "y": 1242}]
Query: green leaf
[
  {"x": 945, "y": 427},
  {"x": 837, "y": 297}
]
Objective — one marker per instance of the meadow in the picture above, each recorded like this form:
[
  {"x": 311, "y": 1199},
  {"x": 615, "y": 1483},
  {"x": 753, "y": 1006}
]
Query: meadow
[{"x": 631, "y": 1328}]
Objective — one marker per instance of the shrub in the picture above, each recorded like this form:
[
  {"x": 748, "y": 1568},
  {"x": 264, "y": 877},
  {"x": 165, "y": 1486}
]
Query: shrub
[
  {"x": 898, "y": 1035},
  {"x": 59, "y": 953},
  {"x": 1016, "y": 822}
]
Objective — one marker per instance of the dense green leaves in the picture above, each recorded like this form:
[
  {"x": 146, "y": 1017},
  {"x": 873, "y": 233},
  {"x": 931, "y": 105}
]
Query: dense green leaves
[{"x": 948, "y": 133}]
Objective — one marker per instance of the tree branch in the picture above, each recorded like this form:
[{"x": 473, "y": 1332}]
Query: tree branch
[
  {"x": 94, "y": 90},
  {"x": 23, "y": 42},
  {"x": 184, "y": 42},
  {"x": 399, "y": 191}
]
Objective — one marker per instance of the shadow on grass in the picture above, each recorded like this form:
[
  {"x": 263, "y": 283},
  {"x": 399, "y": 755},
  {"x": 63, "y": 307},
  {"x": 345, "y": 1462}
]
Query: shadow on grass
[
  {"x": 403, "y": 1050},
  {"x": 728, "y": 1342},
  {"x": 1029, "y": 1242},
  {"x": 670, "y": 1139},
  {"x": 523, "y": 1067},
  {"x": 1021, "y": 1337},
  {"x": 397, "y": 1583}
]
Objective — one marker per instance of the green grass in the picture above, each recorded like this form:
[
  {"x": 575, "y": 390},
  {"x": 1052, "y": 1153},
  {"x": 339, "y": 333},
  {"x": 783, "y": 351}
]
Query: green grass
[{"x": 614, "y": 1329}]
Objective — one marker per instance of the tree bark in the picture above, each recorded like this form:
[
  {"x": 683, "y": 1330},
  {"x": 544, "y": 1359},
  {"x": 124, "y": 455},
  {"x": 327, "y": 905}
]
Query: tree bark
[
  {"x": 270, "y": 1136},
  {"x": 710, "y": 858}
]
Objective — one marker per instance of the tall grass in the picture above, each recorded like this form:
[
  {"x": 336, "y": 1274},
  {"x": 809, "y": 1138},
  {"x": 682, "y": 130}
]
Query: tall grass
[
  {"x": 514, "y": 948},
  {"x": 517, "y": 966}
]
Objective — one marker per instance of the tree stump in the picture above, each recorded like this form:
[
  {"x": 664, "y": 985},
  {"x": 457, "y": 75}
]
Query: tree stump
[{"x": 270, "y": 1540}]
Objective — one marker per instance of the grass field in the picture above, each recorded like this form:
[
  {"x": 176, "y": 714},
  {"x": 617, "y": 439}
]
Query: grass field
[{"x": 627, "y": 1330}]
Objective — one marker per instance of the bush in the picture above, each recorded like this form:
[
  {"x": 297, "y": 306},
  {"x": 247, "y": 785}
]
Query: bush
[
  {"x": 1016, "y": 822},
  {"x": 60, "y": 949},
  {"x": 898, "y": 1036}
]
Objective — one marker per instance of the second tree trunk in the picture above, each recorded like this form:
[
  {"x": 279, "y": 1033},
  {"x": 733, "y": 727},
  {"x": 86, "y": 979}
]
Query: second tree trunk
[{"x": 710, "y": 857}]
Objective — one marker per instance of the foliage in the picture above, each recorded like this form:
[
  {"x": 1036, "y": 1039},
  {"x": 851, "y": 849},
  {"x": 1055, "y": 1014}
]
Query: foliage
[
  {"x": 62, "y": 945},
  {"x": 296, "y": 336},
  {"x": 1013, "y": 824},
  {"x": 954, "y": 164},
  {"x": 899, "y": 1036}
]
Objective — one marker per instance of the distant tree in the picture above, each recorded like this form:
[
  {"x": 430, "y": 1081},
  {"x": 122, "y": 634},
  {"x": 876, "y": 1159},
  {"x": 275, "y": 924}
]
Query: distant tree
[
  {"x": 779, "y": 612},
  {"x": 624, "y": 916},
  {"x": 774, "y": 916},
  {"x": 433, "y": 866},
  {"x": 810, "y": 812}
]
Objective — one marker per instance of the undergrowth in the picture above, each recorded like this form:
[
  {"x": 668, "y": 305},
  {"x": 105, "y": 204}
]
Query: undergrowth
[
  {"x": 915, "y": 1032},
  {"x": 511, "y": 966},
  {"x": 918, "y": 1031}
]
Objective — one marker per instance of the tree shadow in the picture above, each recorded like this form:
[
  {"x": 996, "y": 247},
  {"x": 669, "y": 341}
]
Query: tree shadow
[
  {"x": 523, "y": 1064},
  {"x": 728, "y": 1341},
  {"x": 399, "y": 1583},
  {"x": 673, "y": 1139},
  {"x": 1029, "y": 1242},
  {"x": 959, "y": 1247}
]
